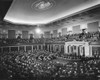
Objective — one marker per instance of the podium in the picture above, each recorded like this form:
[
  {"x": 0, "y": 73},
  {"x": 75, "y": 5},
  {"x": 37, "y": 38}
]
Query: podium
[{"x": 78, "y": 47}]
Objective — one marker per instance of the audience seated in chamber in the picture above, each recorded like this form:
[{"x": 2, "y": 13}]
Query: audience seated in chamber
[{"x": 37, "y": 64}]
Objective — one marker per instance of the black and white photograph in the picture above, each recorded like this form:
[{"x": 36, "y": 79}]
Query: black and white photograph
[{"x": 49, "y": 39}]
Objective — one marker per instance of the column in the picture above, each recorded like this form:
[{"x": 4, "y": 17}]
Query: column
[
  {"x": 54, "y": 48},
  {"x": 77, "y": 49},
  {"x": 90, "y": 51},
  {"x": 81, "y": 50},
  {"x": 47, "y": 47},
  {"x": 25, "y": 48},
  {"x": 86, "y": 49},
  {"x": 32, "y": 48},
  {"x": 66, "y": 48},
  {"x": 70, "y": 49}
]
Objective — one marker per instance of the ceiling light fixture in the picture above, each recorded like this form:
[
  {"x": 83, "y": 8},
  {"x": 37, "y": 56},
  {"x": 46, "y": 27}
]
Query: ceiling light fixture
[
  {"x": 42, "y": 5},
  {"x": 38, "y": 30}
]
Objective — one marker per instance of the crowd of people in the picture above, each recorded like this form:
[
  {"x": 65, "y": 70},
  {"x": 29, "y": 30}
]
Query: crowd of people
[
  {"x": 90, "y": 37},
  {"x": 42, "y": 64},
  {"x": 46, "y": 65}
]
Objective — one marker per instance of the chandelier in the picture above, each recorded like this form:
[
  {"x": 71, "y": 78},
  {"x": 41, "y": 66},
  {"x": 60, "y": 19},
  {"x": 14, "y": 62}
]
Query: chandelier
[{"x": 43, "y": 4}]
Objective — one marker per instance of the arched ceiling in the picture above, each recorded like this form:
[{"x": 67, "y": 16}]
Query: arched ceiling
[{"x": 44, "y": 11}]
